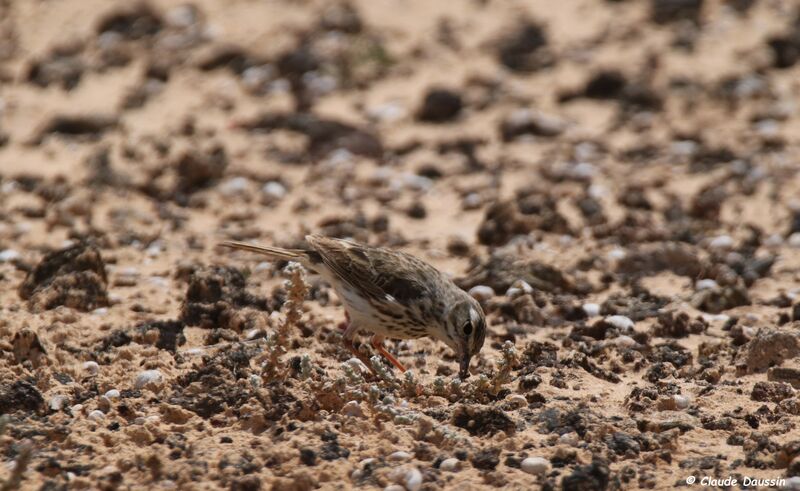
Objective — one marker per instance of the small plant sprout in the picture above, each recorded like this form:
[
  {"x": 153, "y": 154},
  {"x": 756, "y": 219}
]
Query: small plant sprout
[
  {"x": 504, "y": 367},
  {"x": 305, "y": 367},
  {"x": 384, "y": 373},
  {"x": 409, "y": 386},
  {"x": 297, "y": 289}
]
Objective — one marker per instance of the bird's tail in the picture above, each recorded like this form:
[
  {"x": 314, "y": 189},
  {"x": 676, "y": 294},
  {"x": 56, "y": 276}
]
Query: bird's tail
[{"x": 275, "y": 252}]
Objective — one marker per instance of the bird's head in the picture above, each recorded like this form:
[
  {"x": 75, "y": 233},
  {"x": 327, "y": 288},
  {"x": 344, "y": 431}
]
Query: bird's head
[{"x": 465, "y": 331}]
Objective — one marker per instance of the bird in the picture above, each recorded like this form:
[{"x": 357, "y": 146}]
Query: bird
[{"x": 390, "y": 294}]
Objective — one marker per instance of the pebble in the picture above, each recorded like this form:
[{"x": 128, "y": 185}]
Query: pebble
[
  {"x": 620, "y": 322},
  {"x": 681, "y": 402},
  {"x": 57, "y": 403},
  {"x": 9, "y": 255},
  {"x": 481, "y": 293},
  {"x": 91, "y": 367},
  {"x": 535, "y": 465},
  {"x": 146, "y": 378},
  {"x": 794, "y": 240},
  {"x": 517, "y": 400},
  {"x": 792, "y": 483},
  {"x": 113, "y": 394},
  {"x": 353, "y": 409},
  {"x": 97, "y": 415},
  {"x": 394, "y": 487},
  {"x": 617, "y": 254},
  {"x": 625, "y": 341},
  {"x": 721, "y": 242},
  {"x": 706, "y": 284},
  {"x": 274, "y": 190},
  {"x": 234, "y": 186},
  {"x": 412, "y": 479},
  {"x": 591, "y": 309},
  {"x": 398, "y": 456},
  {"x": 450, "y": 465},
  {"x": 572, "y": 439}
]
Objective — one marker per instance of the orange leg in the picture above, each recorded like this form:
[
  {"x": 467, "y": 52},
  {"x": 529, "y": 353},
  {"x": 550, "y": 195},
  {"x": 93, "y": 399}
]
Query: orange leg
[{"x": 377, "y": 343}]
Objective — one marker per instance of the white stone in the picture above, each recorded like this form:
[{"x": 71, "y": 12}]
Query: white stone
[
  {"x": 450, "y": 465},
  {"x": 234, "y": 186},
  {"x": 394, "y": 487},
  {"x": 274, "y": 190},
  {"x": 113, "y": 394},
  {"x": 146, "y": 378},
  {"x": 625, "y": 341},
  {"x": 413, "y": 479},
  {"x": 773, "y": 240},
  {"x": 91, "y": 367},
  {"x": 721, "y": 242},
  {"x": 481, "y": 293},
  {"x": 352, "y": 409},
  {"x": 591, "y": 309},
  {"x": 706, "y": 284},
  {"x": 794, "y": 240},
  {"x": 535, "y": 465},
  {"x": 617, "y": 254},
  {"x": 9, "y": 255},
  {"x": 399, "y": 456},
  {"x": 681, "y": 402},
  {"x": 620, "y": 322},
  {"x": 97, "y": 415},
  {"x": 100, "y": 311},
  {"x": 517, "y": 400},
  {"x": 792, "y": 483},
  {"x": 58, "y": 402},
  {"x": 570, "y": 439}
]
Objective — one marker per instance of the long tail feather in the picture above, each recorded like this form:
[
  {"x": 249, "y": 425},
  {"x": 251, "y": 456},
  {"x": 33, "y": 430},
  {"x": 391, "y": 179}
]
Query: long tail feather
[{"x": 276, "y": 252}]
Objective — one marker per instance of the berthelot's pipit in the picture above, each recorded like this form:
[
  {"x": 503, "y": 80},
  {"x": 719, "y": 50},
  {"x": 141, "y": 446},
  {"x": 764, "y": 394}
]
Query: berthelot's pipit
[{"x": 391, "y": 294}]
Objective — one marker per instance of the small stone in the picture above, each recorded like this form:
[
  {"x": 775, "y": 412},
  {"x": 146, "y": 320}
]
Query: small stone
[
  {"x": 572, "y": 439},
  {"x": 706, "y": 284},
  {"x": 620, "y": 322},
  {"x": 9, "y": 255},
  {"x": 97, "y": 415},
  {"x": 481, "y": 293},
  {"x": 517, "y": 400},
  {"x": 451, "y": 464},
  {"x": 412, "y": 479},
  {"x": 399, "y": 456},
  {"x": 681, "y": 402},
  {"x": 794, "y": 240},
  {"x": 352, "y": 409},
  {"x": 91, "y": 367},
  {"x": 113, "y": 394},
  {"x": 785, "y": 374},
  {"x": 625, "y": 341},
  {"x": 148, "y": 377},
  {"x": 535, "y": 465},
  {"x": 234, "y": 186},
  {"x": 721, "y": 242},
  {"x": 591, "y": 309},
  {"x": 394, "y": 487},
  {"x": 58, "y": 402},
  {"x": 274, "y": 190},
  {"x": 440, "y": 105}
]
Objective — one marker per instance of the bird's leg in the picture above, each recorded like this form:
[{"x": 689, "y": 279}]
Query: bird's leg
[
  {"x": 347, "y": 341},
  {"x": 377, "y": 343}
]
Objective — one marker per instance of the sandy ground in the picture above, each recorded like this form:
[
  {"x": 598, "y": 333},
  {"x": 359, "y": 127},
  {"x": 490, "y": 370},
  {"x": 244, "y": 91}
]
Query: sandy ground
[{"x": 616, "y": 181}]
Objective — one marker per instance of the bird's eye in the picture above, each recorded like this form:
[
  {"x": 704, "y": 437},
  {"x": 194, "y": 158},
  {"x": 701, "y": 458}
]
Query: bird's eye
[{"x": 468, "y": 328}]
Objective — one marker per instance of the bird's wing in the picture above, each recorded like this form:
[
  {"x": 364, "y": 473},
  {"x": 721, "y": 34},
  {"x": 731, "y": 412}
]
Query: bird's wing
[{"x": 377, "y": 272}]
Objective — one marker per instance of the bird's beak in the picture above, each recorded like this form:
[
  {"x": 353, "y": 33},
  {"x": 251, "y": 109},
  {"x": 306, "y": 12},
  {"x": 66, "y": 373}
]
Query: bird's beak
[{"x": 463, "y": 373}]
